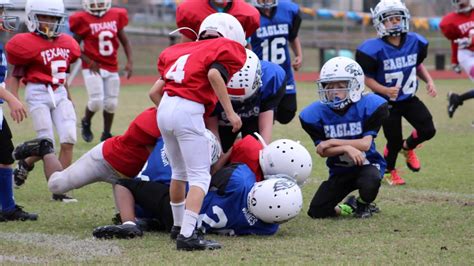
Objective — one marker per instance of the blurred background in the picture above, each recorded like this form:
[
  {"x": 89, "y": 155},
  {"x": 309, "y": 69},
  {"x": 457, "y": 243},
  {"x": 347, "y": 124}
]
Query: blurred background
[{"x": 329, "y": 28}]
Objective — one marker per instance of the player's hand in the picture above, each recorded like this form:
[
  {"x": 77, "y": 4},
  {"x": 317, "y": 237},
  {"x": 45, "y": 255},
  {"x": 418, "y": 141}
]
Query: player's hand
[
  {"x": 356, "y": 156},
  {"x": 463, "y": 43},
  {"x": 392, "y": 92},
  {"x": 128, "y": 70},
  {"x": 297, "y": 63},
  {"x": 235, "y": 121},
  {"x": 456, "y": 68},
  {"x": 431, "y": 88},
  {"x": 17, "y": 110},
  {"x": 322, "y": 146},
  {"x": 94, "y": 67}
]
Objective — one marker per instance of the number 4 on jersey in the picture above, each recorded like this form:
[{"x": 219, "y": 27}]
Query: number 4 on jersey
[{"x": 176, "y": 72}]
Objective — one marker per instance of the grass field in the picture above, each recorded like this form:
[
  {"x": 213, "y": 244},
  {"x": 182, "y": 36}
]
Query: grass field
[{"x": 427, "y": 221}]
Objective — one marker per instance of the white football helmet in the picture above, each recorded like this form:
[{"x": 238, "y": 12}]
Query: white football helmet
[
  {"x": 54, "y": 8},
  {"x": 246, "y": 82},
  {"x": 276, "y": 200},
  {"x": 462, "y": 6},
  {"x": 8, "y": 23},
  {"x": 97, "y": 7},
  {"x": 265, "y": 3},
  {"x": 214, "y": 146},
  {"x": 387, "y": 9},
  {"x": 341, "y": 69},
  {"x": 222, "y": 25},
  {"x": 288, "y": 157}
]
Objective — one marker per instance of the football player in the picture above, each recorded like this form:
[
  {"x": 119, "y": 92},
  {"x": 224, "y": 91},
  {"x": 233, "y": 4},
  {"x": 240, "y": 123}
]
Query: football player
[
  {"x": 255, "y": 92},
  {"x": 279, "y": 26},
  {"x": 41, "y": 58},
  {"x": 9, "y": 211},
  {"x": 194, "y": 77},
  {"x": 101, "y": 28},
  {"x": 343, "y": 126},
  {"x": 458, "y": 27},
  {"x": 235, "y": 204},
  {"x": 191, "y": 13},
  {"x": 392, "y": 64}
]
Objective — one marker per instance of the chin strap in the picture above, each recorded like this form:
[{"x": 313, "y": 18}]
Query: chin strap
[{"x": 184, "y": 28}]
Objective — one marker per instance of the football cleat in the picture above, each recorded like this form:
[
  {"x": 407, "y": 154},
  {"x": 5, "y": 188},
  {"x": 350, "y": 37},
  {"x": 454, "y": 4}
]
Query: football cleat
[
  {"x": 20, "y": 173},
  {"x": 36, "y": 147},
  {"x": 393, "y": 178},
  {"x": 412, "y": 160},
  {"x": 123, "y": 231},
  {"x": 453, "y": 103},
  {"x": 18, "y": 214},
  {"x": 195, "y": 242},
  {"x": 174, "y": 232},
  {"x": 105, "y": 136},
  {"x": 86, "y": 132},
  {"x": 362, "y": 210},
  {"x": 63, "y": 198}
]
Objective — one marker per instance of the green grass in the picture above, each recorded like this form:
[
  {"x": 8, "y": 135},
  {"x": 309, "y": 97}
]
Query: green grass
[{"x": 428, "y": 221}]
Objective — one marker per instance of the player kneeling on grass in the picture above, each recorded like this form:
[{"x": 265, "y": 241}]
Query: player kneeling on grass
[
  {"x": 235, "y": 205},
  {"x": 343, "y": 125},
  {"x": 117, "y": 157},
  {"x": 41, "y": 58}
]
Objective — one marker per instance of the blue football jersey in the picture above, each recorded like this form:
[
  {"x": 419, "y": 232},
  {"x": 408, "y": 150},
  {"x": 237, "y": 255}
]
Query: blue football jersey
[
  {"x": 362, "y": 118},
  {"x": 157, "y": 168},
  {"x": 227, "y": 213},
  {"x": 3, "y": 67},
  {"x": 266, "y": 98},
  {"x": 394, "y": 66},
  {"x": 271, "y": 41}
]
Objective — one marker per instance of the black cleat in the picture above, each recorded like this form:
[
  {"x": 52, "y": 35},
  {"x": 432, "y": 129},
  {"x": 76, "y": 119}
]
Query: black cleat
[
  {"x": 105, "y": 136},
  {"x": 453, "y": 103},
  {"x": 36, "y": 147},
  {"x": 373, "y": 208},
  {"x": 363, "y": 210},
  {"x": 123, "y": 231},
  {"x": 174, "y": 232},
  {"x": 195, "y": 242},
  {"x": 20, "y": 173},
  {"x": 18, "y": 214},
  {"x": 86, "y": 132},
  {"x": 63, "y": 198}
]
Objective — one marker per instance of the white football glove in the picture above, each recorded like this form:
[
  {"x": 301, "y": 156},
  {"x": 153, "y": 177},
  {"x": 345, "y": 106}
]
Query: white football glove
[{"x": 463, "y": 43}]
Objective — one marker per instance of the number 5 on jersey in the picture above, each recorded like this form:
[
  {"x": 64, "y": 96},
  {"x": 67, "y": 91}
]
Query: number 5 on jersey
[{"x": 176, "y": 72}]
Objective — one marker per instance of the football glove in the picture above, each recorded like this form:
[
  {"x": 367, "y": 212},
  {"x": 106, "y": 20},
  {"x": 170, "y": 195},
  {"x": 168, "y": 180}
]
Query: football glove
[{"x": 463, "y": 43}]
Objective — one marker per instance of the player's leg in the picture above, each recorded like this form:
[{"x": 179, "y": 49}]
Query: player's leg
[
  {"x": 95, "y": 90},
  {"x": 111, "y": 94},
  {"x": 392, "y": 129},
  {"x": 418, "y": 115},
  {"x": 368, "y": 183},
  {"x": 286, "y": 110},
  {"x": 9, "y": 210},
  {"x": 455, "y": 100}
]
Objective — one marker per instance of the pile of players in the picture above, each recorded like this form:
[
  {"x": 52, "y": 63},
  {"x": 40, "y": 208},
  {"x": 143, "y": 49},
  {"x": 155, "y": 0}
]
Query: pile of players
[{"x": 199, "y": 179}]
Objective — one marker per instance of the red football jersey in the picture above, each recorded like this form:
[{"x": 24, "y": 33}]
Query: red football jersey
[
  {"x": 457, "y": 25},
  {"x": 247, "y": 151},
  {"x": 128, "y": 153},
  {"x": 191, "y": 13},
  {"x": 185, "y": 66},
  {"x": 45, "y": 61},
  {"x": 100, "y": 35}
]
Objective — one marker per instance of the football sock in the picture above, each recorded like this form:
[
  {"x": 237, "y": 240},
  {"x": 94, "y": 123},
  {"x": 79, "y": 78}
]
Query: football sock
[
  {"x": 6, "y": 189},
  {"x": 466, "y": 96},
  {"x": 189, "y": 223},
  {"x": 178, "y": 212}
]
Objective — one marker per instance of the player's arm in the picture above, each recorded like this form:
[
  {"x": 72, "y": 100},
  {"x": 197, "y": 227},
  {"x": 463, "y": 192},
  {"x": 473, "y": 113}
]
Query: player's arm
[
  {"x": 295, "y": 43},
  {"x": 156, "y": 91},
  {"x": 93, "y": 65},
  {"x": 17, "y": 111},
  {"x": 424, "y": 75},
  {"x": 265, "y": 125},
  {"x": 128, "y": 52},
  {"x": 15, "y": 79},
  {"x": 219, "y": 86}
]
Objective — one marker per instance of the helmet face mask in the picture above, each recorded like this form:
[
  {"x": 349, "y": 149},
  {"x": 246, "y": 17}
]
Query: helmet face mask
[
  {"x": 341, "y": 82},
  {"x": 97, "y": 7},
  {"x": 45, "y": 17},
  {"x": 8, "y": 23},
  {"x": 390, "y": 18},
  {"x": 245, "y": 83},
  {"x": 266, "y": 4},
  {"x": 462, "y": 6}
]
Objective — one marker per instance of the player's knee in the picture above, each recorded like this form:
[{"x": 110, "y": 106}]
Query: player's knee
[
  {"x": 95, "y": 105},
  {"x": 201, "y": 182},
  {"x": 471, "y": 73},
  {"x": 68, "y": 134},
  {"x": 110, "y": 105},
  {"x": 57, "y": 183},
  {"x": 320, "y": 212},
  {"x": 430, "y": 133}
]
